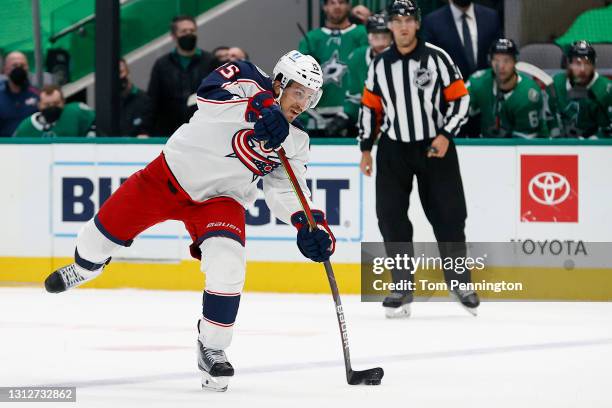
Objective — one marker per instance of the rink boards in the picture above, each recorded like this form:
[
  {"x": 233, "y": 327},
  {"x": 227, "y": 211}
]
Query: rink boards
[{"x": 546, "y": 196}]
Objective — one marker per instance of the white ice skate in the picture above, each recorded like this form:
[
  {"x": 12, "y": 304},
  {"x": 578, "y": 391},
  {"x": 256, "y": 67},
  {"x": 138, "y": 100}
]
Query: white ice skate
[
  {"x": 216, "y": 369},
  {"x": 68, "y": 277}
]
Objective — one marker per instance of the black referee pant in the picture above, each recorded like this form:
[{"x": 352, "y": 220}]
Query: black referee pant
[{"x": 440, "y": 191}]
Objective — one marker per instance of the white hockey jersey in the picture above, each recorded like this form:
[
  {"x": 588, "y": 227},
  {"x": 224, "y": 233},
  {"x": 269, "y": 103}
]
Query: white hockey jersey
[{"x": 215, "y": 155}]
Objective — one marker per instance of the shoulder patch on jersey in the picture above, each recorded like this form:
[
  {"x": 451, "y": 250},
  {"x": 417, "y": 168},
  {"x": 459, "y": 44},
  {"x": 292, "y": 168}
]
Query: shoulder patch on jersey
[
  {"x": 533, "y": 95},
  {"x": 252, "y": 154},
  {"x": 84, "y": 106},
  {"x": 479, "y": 73}
]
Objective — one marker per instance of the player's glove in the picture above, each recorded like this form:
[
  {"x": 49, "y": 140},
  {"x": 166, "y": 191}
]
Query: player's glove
[
  {"x": 318, "y": 244},
  {"x": 272, "y": 127},
  {"x": 256, "y": 103},
  {"x": 338, "y": 125}
]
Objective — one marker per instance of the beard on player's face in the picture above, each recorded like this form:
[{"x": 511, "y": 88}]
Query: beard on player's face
[
  {"x": 337, "y": 12},
  {"x": 580, "y": 71}
]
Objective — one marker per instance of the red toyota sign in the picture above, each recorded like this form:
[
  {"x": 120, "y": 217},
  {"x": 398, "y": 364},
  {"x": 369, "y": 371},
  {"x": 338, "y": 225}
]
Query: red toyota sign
[{"x": 549, "y": 188}]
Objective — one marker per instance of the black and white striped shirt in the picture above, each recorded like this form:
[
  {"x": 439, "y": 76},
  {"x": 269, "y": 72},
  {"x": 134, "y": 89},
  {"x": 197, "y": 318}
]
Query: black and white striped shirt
[{"x": 412, "y": 97}]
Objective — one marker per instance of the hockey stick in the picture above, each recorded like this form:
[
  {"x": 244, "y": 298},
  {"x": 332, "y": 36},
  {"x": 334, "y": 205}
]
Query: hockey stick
[
  {"x": 372, "y": 376},
  {"x": 535, "y": 72},
  {"x": 548, "y": 82}
]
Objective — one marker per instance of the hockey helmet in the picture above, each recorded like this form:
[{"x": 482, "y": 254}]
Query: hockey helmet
[
  {"x": 504, "y": 46},
  {"x": 582, "y": 49},
  {"x": 377, "y": 23},
  {"x": 404, "y": 8},
  {"x": 303, "y": 69}
]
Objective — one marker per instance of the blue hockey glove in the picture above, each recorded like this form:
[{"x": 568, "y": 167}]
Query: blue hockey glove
[
  {"x": 257, "y": 102},
  {"x": 272, "y": 127},
  {"x": 316, "y": 245}
]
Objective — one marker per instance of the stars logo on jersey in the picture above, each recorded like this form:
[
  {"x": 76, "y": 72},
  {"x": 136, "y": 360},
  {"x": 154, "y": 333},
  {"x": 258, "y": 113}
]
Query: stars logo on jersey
[
  {"x": 533, "y": 95},
  {"x": 334, "y": 70},
  {"x": 252, "y": 154}
]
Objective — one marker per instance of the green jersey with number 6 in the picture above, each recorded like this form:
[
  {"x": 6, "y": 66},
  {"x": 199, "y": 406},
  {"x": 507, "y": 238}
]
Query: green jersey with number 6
[
  {"x": 517, "y": 113},
  {"x": 331, "y": 48},
  {"x": 581, "y": 112}
]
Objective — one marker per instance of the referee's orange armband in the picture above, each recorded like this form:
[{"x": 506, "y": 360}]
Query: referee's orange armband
[
  {"x": 372, "y": 101},
  {"x": 455, "y": 91}
]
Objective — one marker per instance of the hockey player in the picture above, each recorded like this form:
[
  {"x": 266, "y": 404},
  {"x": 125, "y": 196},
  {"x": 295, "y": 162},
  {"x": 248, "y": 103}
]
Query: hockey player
[
  {"x": 331, "y": 46},
  {"x": 509, "y": 103},
  {"x": 581, "y": 103},
  {"x": 205, "y": 177},
  {"x": 379, "y": 38}
]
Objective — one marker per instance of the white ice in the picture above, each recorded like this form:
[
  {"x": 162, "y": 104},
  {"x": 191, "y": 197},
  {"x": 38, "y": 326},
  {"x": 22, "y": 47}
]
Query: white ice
[{"x": 131, "y": 348}]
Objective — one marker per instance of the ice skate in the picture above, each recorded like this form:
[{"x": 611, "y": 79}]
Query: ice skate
[
  {"x": 216, "y": 370},
  {"x": 468, "y": 299},
  {"x": 397, "y": 305},
  {"x": 68, "y": 277}
]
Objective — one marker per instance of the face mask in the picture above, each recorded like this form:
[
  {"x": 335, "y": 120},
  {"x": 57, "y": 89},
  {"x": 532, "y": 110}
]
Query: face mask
[
  {"x": 462, "y": 3},
  {"x": 123, "y": 83},
  {"x": 52, "y": 113},
  {"x": 19, "y": 76},
  {"x": 187, "y": 42}
]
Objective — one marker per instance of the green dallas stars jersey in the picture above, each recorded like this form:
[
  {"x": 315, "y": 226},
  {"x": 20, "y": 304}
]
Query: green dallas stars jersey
[
  {"x": 77, "y": 119},
  {"x": 518, "y": 113},
  {"x": 358, "y": 63},
  {"x": 585, "y": 112},
  {"x": 331, "y": 48}
]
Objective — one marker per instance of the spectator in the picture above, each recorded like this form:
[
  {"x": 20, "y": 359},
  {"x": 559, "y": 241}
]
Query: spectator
[
  {"x": 379, "y": 38},
  {"x": 331, "y": 46},
  {"x": 136, "y": 114},
  {"x": 56, "y": 118},
  {"x": 18, "y": 99},
  {"x": 360, "y": 14},
  {"x": 509, "y": 103},
  {"x": 177, "y": 75},
  {"x": 221, "y": 56},
  {"x": 581, "y": 104},
  {"x": 465, "y": 31},
  {"x": 236, "y": 54}
]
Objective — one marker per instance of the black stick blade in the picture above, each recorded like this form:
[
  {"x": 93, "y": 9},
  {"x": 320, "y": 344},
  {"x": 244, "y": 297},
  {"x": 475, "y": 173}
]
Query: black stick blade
[{"x": 373, "y": 376}]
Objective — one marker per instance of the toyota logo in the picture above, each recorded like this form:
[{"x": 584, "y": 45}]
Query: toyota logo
[{"x": 549, "y": 188}]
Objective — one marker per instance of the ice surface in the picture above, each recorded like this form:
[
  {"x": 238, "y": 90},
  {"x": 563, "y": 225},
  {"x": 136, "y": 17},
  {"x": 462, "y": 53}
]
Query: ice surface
[{"x": 131, "y": 348}]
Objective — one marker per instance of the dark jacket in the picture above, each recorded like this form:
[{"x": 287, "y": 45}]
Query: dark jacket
[
  {"x": 170, "y": 86},
  {"x": 439, "y": 29},
  {"x": 136, "y": 115},
  {"x": 14, "y": 108}
]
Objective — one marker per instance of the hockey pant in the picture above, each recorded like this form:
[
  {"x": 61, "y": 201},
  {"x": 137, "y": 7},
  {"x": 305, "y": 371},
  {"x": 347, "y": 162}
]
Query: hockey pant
[{"x": 216, "y": 226}]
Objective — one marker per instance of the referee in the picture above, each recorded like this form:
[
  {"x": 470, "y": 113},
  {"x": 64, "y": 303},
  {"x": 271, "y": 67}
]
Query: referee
[{"x": 416, "y": 100}]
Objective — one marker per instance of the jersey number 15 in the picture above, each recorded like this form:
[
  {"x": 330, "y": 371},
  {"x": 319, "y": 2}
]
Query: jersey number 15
[{"x": 228, "y": 71}]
